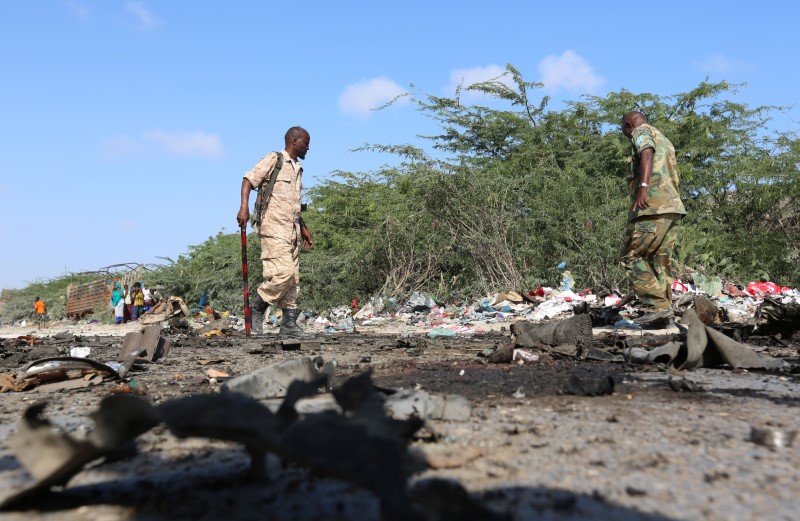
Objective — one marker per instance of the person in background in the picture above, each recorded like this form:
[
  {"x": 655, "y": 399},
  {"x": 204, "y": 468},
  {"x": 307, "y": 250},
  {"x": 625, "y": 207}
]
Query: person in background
[
  {"x": 128, "y": 300},
  {"x": 138, "y": 302},
  {"x": 148, "y": 297},
  {"x": 118, "y": 303},
  {"x": 39, "y": 307}
]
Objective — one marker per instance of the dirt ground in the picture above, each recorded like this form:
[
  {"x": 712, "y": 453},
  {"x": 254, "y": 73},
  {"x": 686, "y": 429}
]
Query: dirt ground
[{"x": 644, "y": 452}]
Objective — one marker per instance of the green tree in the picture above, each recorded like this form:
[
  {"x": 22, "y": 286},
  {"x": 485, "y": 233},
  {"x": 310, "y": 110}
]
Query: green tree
[{"x": 508, "y": 189}]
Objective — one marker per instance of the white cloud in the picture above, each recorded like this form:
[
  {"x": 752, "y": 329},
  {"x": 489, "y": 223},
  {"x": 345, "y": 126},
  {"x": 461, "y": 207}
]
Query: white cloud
[
  {"x": 79, "y": 9},
  {"x": 467, "y": 77},
  {"x": 720, "y": 64},
  {"x": 127, "y": 224},
  {"x": 570, "y": 72},
  {"x": 143, "y": 17},
  {"x": 195, "y": 143},
  {"x": 121, "y": 147},
  {"x": 363, "y": 97}
]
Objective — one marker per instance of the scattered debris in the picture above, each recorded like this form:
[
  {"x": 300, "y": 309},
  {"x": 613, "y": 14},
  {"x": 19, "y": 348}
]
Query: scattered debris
[
  {"x": 404, "y": 404},
  {"x": 147, "y": 343},
  {"x": 590, "y": 385},
  {"x": 773, "y": 316},
  {"x": 80, "y": 352},
  {"x": 58, "y": 367},
  {"x": 219, "y": 327},
  {"x": 707, "y": 310},
  {"x": 502, "y": 355},
  {"x": 9, "y": 383},
  {"x": 344, "y": 445},
  {"x": 130, "y": 387},
  {"x": 53, "y": 457},
  {"x": 683, "y": 384},
  {"x": 203, "y": 361},
  {"x": 441, "y": 331},
  {"x": 707, "y": 347},
  {"x": 572, "y": 336},
  {"x": 648, "y": 340},
  {"x": 173, "y": 307},
  {"x": 214, "y": 373},
  {"x": 771, "y": 437},
  {"x": 418, "y": 302},
  {"x": 273, "y": 381},
  {"x": 524, "y": 356}
]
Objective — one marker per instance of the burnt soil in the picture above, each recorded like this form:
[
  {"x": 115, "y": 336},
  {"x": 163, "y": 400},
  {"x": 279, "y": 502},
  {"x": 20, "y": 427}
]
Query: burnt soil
[{"x": 530, "y": 450}]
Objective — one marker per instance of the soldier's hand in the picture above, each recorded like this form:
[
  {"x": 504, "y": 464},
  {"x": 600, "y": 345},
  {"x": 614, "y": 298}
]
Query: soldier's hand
[
  {"x": 640, "y": 203},
  {"x": 308, "y": 240},
  {"x": 243, "y": 216}
]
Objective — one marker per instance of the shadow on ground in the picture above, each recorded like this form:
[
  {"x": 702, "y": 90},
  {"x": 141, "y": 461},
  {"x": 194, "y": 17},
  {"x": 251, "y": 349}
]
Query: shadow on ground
[{"x": 199, "y": 488}]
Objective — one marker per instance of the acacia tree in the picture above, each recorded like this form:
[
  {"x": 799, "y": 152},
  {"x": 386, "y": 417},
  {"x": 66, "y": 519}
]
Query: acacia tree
[
  {"x": 502, "y": 195},
  {"x": 512, "y": 192}
]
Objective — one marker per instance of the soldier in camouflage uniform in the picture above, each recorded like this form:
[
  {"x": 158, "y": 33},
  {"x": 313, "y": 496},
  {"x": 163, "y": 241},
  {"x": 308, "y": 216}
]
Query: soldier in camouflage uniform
[
  {"x": 280, "y": 231},
  {"x": 654, "y": 216}
]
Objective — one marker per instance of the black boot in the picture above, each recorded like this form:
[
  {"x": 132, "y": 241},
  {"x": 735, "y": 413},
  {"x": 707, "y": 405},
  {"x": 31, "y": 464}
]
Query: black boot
[
  {"x": 660, "y": 319},
  {"x": 257, "y": 311},
  {"x": 289, "y": 326}
]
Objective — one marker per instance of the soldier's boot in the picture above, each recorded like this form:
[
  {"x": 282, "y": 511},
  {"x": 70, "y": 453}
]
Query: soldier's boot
[
  {"x": 660, "y": 319},
  {"x": 289, "y": 326},
  {"x": 258, "y": 310}
]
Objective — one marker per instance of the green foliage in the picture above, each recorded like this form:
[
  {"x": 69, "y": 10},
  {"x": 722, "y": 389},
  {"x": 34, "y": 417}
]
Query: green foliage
[
  {"x": 505, "y": 194},
  {"x": 509, "y": 189},
  {"x": 53, "y": 292},
  {"x": 213, "y": 267}
]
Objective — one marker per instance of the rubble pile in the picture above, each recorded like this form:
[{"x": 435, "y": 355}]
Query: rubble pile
[{"x": 295, "y": 407}]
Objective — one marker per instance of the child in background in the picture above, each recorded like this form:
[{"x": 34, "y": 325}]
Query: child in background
[
  {"x": 138, "y": 302},
  {"x": 38, "y": 305}
]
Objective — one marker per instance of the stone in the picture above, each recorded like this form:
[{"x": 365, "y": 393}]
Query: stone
[{"x": 273, "y": 380}]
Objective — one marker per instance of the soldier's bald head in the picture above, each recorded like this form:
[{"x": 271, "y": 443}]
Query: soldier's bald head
[
  {"x": 635, "y": 118},
  {"x": 631, "y": 120},
  {"x": 294, "y": 133}
]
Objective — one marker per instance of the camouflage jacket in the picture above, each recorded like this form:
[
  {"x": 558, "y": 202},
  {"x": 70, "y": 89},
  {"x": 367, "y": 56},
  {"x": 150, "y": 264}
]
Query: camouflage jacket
[
  {"x": 663, "y": 192},
  {"x": 282, "y": 216}
]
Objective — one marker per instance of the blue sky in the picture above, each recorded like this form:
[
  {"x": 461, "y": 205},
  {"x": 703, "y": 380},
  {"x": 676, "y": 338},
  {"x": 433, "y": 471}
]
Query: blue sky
[{"x": 126, "y": 125}]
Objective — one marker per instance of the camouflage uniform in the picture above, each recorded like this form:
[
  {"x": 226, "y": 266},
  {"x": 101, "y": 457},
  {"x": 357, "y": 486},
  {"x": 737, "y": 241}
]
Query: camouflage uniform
[
  {"x": 651, "y": 233},
  {"x": 279, "y": 230}
]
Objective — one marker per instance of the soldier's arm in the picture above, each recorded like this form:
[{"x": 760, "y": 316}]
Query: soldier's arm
[
  {"x": 244, "y": 210},
  {"x": 645, "y": 171}
]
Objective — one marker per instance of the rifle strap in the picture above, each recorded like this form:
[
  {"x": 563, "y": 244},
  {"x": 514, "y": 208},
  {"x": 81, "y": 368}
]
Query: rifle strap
[{"x": 264, "y": 194}]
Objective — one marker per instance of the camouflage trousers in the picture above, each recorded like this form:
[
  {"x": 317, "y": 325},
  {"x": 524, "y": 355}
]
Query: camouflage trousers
[
  {"x": 647, "y": 258},
  {"x": 281, "y": 266}
]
